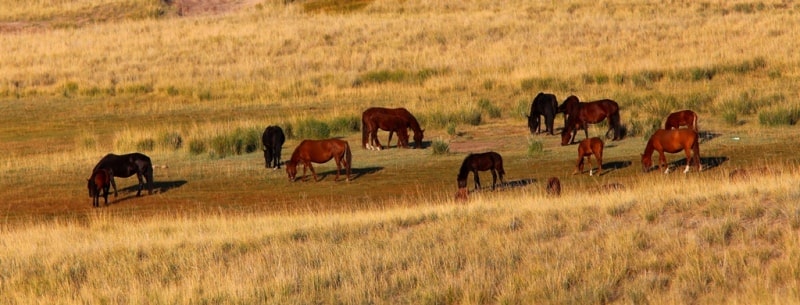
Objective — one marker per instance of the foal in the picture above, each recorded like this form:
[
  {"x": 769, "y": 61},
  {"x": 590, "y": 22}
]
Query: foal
[
  {"x": 99, "y": 181},
  {"x": 587, "y": 148}
]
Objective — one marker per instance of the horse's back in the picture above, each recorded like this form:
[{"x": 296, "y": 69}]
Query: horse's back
[
  {"x": 674, "y": 140},
  {"x": 273, "y": 136}
]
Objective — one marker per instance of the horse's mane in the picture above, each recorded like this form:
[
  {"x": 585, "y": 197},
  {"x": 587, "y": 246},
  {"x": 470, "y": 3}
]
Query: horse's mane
[{"x": 465, "y": 169}]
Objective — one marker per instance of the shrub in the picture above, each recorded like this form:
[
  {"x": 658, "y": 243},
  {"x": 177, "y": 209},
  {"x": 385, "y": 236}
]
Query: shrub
[
  {"x": 535, "y": 147},
  {"x": 492, "y": 110},
  {"x": 451, "y": 129},
  {"x": 242, "y": 140},
  {"x": 346, "y": 125},
  {"x": 172, "y": 140},
  {"x": 146, "y": 144},
  {"x": 780, "y": 116},
  {"x": 197, "y": 147},
  {"x": 440, "y": 147},
  {"x": 730, "y": 116},
  {"x": 313, "y": 129}
]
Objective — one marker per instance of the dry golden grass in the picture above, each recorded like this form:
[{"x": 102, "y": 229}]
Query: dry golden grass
[{"x": 79, "y": 79}]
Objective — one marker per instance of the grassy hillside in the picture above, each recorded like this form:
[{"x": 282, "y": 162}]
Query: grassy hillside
[{"x": 193, "y": 87}]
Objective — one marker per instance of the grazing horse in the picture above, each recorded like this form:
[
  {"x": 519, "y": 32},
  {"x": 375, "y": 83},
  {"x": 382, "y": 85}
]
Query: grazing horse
[
  {"x": 127, "y": 165},
  {"x": 402, "y": 112},
  {"x": 320, "y": 151},
  {"x": 672, "y": 141},
  {"x": 272, "y": 139},
  {"x": 99, "y": 181},
  {"x": 579, "y": 115},
  {"x": 488, "y": 161},
  {"x": 544, "y": 104},
  {"x": 682, "y": 118},
  {"x": 587, "y": 148},
  {"x": 388, "y": 122}
]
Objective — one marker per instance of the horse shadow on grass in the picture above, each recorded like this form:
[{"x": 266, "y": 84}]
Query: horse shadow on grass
[
  {"x": 129, "y": 192},
  {"x": 707, "y": 163},
  {"x": 611, "y": 166},
  {"x": 355, "y": 173}
]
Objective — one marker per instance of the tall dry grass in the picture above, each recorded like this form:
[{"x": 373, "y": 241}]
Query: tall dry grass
[{"x": 711, "y": 242}]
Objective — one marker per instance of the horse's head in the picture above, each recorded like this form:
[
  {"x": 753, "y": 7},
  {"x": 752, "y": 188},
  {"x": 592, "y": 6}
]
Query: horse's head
[
  {"x": 462, "y": 183},
  {"x": 91, "y": 186},
  {"x": 418, "y": 135},
  {"x": 647, "y": 162},
  {"x": 566, "y": 135},
  {"x": 291, "y": 170},
  {"x": 533, "y": 123}
]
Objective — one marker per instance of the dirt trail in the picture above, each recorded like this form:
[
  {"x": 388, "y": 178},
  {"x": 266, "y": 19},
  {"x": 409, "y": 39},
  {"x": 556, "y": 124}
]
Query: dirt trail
[{"x": 213, "y": 7}]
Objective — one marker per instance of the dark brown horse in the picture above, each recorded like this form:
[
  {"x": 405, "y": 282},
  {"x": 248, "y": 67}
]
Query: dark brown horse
[
  {"x": 544, "y": 104},
  {"x": 99, "y": 181},
  {"x": 587, "y": 148},
  {"x": 127, "y": 165},
  {"x": 672, "y": 141},
  {"x": 682, "y": 118},
  {"x": 488, "y": 161},
  {"x": 402, "y": 112},
  {"x": 320, "y": 151},
  {"x": 388, "y": 122},
  {"x": 553, "y": 187},
  {"x": 579, "y": 115},
  {"x": 272, "y": 139}
]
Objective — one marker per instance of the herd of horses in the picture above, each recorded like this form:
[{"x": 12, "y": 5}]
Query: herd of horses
[{"x": 577, "y": 115}]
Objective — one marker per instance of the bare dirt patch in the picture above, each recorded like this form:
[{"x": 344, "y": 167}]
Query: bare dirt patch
[{"x": 209, "y": 7}]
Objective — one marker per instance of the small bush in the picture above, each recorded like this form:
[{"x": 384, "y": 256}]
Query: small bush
[
  {"x": 470, "y": 117},
  {"x": 197, "y": 147},
  {"x": 313, "y": 129},
  {"x": 146, "y": 145},
  {"x": 172, "y": 140},
  {"x": 451, "y": 129},
  {"x": 731, "y": 117},
  {"x": 779, "y": 116},
  {"x": 440, "y": 147},
  {"x": 344, "y": 125},
  {"x": 492, "y": 110},
  {"x": 535, "y": 147},
  {"x": 240, "y": 141}
]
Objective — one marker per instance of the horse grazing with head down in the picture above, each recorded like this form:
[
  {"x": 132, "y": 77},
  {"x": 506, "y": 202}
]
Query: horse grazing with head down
[
  {"x": 127, "y": 165},
  {"x": 587, "y": 148},
  {"x": 672, "y": 141},
  {"x": 401, "y": 112},
  {"x": 320, "y": 151},
  {"x": 544, "y": 104},
  {"x": 578, "y": 115},
  {"x": 388, "y": 122},
  {"x": 98, "y": 182},
  {"x": 272, "y": 139},
  {"x": 488, "y": 161},
  {"x": 682, "y": 118}
]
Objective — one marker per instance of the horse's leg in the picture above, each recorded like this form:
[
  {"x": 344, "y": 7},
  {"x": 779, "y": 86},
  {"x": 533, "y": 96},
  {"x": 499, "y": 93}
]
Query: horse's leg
[
  {"x": 579, "y": 165},
  {"x": 689, "y": 159},
  {"x": 662, "y": 162},
  {"x": 591, "y": 166},
  {"x": 338, "y": 160},
  {"x": 599, "y": 157},
  {"x": 375, "y": 139},
  {"x": 494, "y": 178},
  {"x": 114, "y": 185},
  {"x": 389, "y": 142},
  {"x": 477, "y": 180}
]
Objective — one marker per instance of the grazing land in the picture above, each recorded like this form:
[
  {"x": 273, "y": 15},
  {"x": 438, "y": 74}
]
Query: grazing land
[{"x": 192, "y": 84}]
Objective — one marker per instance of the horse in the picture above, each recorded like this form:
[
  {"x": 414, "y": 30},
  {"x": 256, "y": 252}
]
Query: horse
[
  {"x": 402, "y": 112},
  {"x": 682, "y": 118},
  {"x": 672, "y": 141},
  {"x": 99, "y": 181},
  {"x": 581, "y": 114},
  {"x": 544, "y": 104},
  {"x": 388, "y": 122},
  {"x": 587, "y": 148},
  {"x": 553, "y": 187},
  {"x": 127, "y": 165},
  {"x": 320, "y": 151},
  {"x": 272, "y": 139},
  {"x": 488, "y": 161}
]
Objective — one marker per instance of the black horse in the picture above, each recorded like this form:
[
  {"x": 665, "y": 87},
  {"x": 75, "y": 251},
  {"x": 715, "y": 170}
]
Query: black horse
[
  {"x": 273, "y": 139},
  {"x": 124, "y": 166},
  {"x": 488, "y": 161},
  {"x": 544, "y": 104}
]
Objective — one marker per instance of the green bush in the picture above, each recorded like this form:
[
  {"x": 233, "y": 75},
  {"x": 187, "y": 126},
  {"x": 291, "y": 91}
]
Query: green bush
[
  {"x": 451, "y": 129},
  {"x": 197, "y": 147},
  {"x": 779, "y": 116},
  {"x": 312, "y": 129},
  {"x": 492, "y": 110},
  {"x": 345, "y": 125},
  {"x": 172, "y": 140},
  {"x": 240, "y": 141},
  {"x": 440, "y": 147},
  {"x": 535, "y": 147},
  {"x": 146, "y": 145}
]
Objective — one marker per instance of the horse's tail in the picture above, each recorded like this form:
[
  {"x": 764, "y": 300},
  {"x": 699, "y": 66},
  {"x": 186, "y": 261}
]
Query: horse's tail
[
  {"x": 694, "y": 124},
  {"x": 615, "y": 123},
  {"x": 364, "y": 131},
  {"x": 696, "y": 153},
  {"x": 348, "y": 157}
]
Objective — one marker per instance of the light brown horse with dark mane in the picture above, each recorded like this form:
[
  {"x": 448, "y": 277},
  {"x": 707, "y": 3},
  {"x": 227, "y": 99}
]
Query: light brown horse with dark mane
[
  {"x": 587, "y": 148},
  {"x": 488, "y": 161},
  {"x": 401, "y": 112},
  {"x": 578, "y": 115},
  {"x": 320, "y": 151},
  {"x": 389, "y": 122},
  {"x": 672, "y": 141},
  {"x": 682, "y": 118}
]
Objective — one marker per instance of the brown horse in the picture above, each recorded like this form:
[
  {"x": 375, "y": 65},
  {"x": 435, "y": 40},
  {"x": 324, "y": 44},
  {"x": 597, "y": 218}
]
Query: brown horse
[
  {"x": 320, "y": 151},
  {"x": 672, "y": 141},
  {"x": 488, "y": 161},
  {"x": 682, "y": 118},
  {"x": 388, "y": 122},
  {"x": 553, "y": 187},
  {"x": 579, "y": 115},
  {"x": 403, "y": 113},
  {"x": 587, "y": 148},
  {"x": 99, "y": 181}
]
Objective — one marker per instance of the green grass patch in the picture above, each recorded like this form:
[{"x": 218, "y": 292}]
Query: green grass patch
[{"x": 779, "y": 116}]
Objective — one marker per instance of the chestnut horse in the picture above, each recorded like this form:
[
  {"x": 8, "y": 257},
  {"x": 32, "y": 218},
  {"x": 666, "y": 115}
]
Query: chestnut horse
[
  {"x": 672, "y": 141},
  {"x": 99, "y": 181},
  {"x": 320, "y": 151},
  {"x": 587, "y": 148},
  {"x": 388, "y": 122},
  {"x": 544, "y": 104},
  {"x": 272, "y": 139},
  {"x": 403, "y": 113},
  {"x": 488, "y": 161},
  {"x": 579, "y": 115},
  {"x": 682, "y": 118}
]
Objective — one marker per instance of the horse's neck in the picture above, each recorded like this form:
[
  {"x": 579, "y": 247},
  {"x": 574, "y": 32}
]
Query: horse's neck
[
  {"x": 648, "y": 150},
  {"x": 412, "y": 121},
  {"x": 463, "y": 172}
]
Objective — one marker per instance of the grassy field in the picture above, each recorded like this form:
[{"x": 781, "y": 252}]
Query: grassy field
[{"x": 193, "y": 85}]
